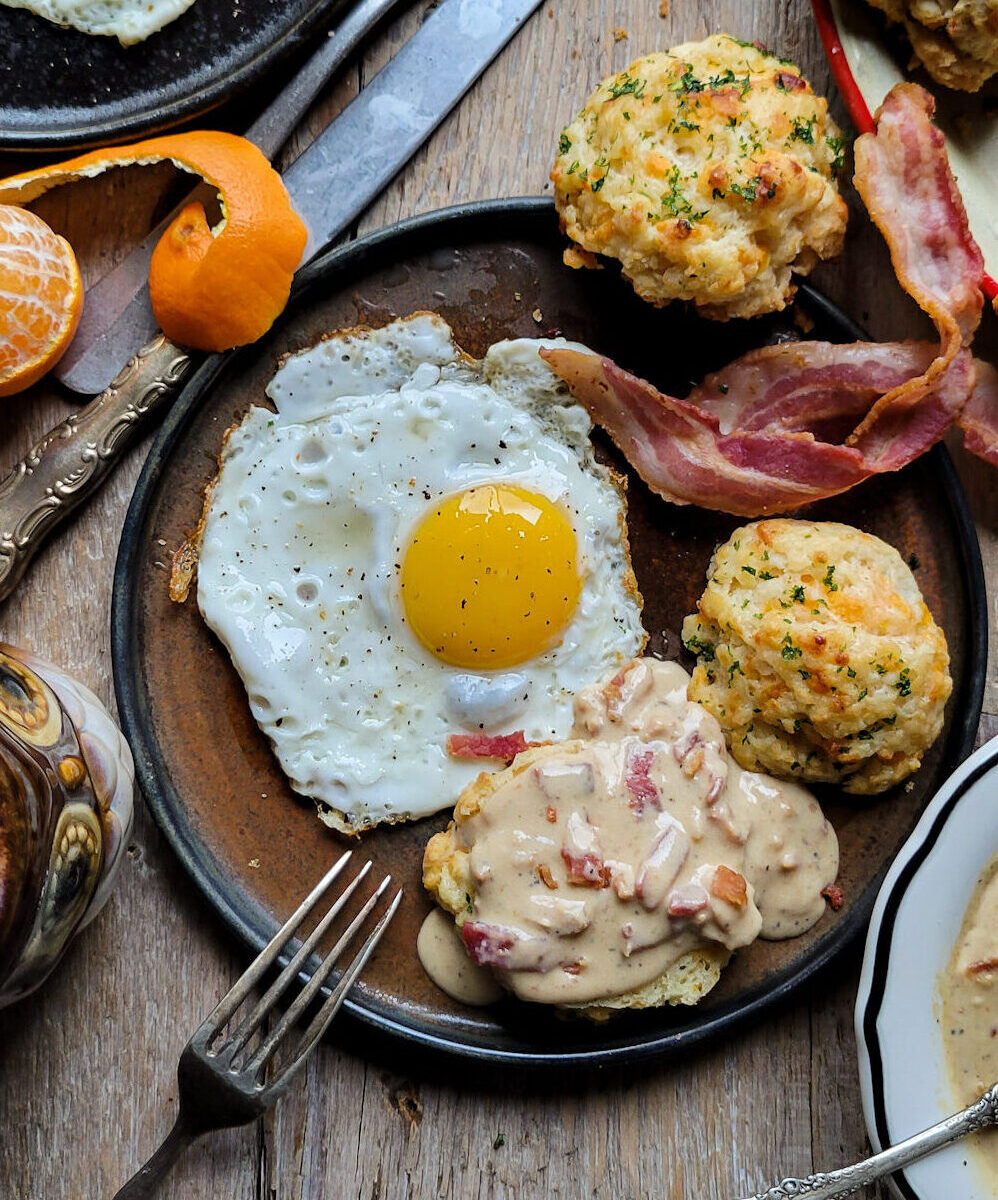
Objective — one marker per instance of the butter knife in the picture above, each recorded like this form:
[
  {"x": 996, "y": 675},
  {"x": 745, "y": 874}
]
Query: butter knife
[{"x": 331, "y": 183}]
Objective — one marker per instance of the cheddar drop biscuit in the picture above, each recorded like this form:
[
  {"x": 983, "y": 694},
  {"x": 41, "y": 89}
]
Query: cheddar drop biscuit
[
  {"x": 708, "y": 171},
  {"x": 818, "y": 655}
]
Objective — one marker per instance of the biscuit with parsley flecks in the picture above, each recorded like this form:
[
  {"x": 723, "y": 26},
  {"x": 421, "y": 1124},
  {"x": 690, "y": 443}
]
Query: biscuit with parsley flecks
[
  {"x": 818, "y": 655},
  {"x": 709, "y": 172}
]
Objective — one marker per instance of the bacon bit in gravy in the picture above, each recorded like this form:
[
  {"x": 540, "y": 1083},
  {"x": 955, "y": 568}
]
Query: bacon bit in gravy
[
  {"x": 551, "y": 814},
  {"x": 487, "y": 945},
  {"x": 483, "y": 745},
  {"x": 582, "y": 856},
  {"x": 982, "y": 967},
  {"x": 572, "y": 968},
  {"x": 688, "y": 900},
  {"x": 834, "y": 895},
  {"x": 545, "y": 876},
  {"x": 639, "y": 783},
  {"x": 729, "y": 886}
]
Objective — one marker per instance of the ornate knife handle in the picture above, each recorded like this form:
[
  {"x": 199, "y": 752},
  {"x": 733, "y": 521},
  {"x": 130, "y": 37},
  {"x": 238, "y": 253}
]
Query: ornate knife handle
[
  {"x": 850, "y": 1179},
  {"x": 71, "y": 461}
]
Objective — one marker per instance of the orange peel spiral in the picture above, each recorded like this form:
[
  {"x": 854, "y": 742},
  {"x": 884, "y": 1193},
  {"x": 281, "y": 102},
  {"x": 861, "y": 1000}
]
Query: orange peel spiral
[{"x": 211, "y": 289}]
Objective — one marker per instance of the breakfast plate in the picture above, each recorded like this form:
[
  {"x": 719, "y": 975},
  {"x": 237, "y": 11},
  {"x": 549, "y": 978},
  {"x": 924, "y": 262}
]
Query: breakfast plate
[
  {"x": 61, "y": 88},
  {"x": 915, "y": 925},
  {"x": 867, "y": 61},
  {"x": 492, "y": 270}
]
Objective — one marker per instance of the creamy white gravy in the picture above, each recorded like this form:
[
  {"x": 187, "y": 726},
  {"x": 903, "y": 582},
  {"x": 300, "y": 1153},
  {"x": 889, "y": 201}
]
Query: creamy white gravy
[
  {"x": 610, "y": 856},
  {"x": 442, "y": 953},
  {"x": 969, "y": 993}
]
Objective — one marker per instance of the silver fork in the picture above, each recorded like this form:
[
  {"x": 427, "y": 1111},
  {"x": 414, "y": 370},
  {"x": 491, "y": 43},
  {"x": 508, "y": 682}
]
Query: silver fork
[
  {"x": 220, "y": 1083},
  {"x": 847, "y": 1180}
]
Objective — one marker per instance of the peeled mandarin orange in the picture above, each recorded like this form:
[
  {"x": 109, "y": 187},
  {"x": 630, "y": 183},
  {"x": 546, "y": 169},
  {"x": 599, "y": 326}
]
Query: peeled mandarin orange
[
  {"x": 211, "y": 289},
  {"x": 41, "y": 298}
]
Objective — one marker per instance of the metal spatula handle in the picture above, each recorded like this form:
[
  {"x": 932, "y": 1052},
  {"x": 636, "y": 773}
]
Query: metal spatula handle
[{"x": 69, "y": 462}]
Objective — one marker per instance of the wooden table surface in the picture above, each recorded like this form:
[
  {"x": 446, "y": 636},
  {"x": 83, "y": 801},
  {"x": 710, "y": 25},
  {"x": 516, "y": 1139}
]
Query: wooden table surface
[{"x": 87, "y": 1066}]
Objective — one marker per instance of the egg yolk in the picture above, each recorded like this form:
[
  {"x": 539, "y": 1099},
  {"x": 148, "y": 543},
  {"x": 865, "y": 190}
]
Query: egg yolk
[{"x": 490, "y": 577}]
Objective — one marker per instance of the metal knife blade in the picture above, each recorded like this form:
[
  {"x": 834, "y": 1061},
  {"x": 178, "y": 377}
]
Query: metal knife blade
[
  {"x": 347, "y": 165},
  {"x": 117, "y": 315}
]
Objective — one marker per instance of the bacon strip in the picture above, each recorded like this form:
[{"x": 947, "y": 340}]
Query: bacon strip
[
  {"x": 680, "y": 452},
  {"x": 979, "y": 419},
  {"x": 639, "y": 783},
  {"x": 766, "y": 433},
  {"x": 582, "y": 855},
  {"x": 484, "y": 745},
  {"x": 904, "y": 178},
  {"x": 809, "y": 387}
]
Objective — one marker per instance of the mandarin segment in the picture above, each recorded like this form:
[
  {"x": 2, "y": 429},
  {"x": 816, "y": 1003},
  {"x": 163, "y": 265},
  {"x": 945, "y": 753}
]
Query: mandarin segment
[{"x": 42, "y": 298}]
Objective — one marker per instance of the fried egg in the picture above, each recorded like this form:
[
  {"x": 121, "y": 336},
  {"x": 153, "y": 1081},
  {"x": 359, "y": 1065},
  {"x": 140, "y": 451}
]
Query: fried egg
[
  {"x": 130, "y": 21},
  {"x": 415, "y": 545}
]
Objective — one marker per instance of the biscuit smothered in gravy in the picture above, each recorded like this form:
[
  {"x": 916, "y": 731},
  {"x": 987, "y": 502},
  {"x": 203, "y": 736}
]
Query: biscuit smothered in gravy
[
  {"x": 620, "y": 869},
  {"x": 708, "y": 170},
  {"x": 818, "y": 655}
]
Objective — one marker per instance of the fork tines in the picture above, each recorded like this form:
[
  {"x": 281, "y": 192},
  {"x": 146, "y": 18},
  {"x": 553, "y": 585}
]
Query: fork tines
[{"x": 225, "y": 1053}]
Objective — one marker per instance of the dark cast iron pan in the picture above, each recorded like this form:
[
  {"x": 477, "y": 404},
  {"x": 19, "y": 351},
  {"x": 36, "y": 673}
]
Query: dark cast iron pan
[
  {"x": 208, "y": 773},
  {"x": 60, "y": 88}
]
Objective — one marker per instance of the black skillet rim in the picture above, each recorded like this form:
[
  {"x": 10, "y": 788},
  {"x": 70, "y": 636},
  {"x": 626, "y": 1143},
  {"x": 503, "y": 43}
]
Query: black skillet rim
[{"x": 490, "y": 218}]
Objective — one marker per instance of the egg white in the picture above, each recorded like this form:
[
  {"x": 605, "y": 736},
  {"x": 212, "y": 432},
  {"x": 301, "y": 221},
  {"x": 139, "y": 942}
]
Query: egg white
[
  {"x": 307, "y": 525},
  {"x": 130, "y": 21}
]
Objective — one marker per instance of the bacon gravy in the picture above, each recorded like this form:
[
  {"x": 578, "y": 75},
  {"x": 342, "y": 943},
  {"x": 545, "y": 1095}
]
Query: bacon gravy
[
  {"x": 597, "y": 863},
  {"x": 969, "y": 994}
]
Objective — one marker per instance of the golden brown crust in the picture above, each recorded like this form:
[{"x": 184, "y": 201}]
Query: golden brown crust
[
  {"x": 708, "y": 171},
  {"x": 818, "y": 655}
]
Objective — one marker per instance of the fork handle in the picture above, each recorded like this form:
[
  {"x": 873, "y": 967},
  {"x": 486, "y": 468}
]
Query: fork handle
[
  {"x": 844, "y": 1182},
  {"x": 145, "y": 1181}
]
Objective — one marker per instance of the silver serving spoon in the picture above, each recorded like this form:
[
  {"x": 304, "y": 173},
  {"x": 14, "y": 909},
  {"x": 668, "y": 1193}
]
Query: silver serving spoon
[{"x": 847, "y": 1180}]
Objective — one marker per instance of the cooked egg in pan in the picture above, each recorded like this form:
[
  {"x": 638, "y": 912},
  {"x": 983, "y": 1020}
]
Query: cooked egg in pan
[{"x": 414, "y": 546}]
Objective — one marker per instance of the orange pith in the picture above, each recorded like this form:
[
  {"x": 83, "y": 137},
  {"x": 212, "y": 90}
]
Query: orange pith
[
  {"x": 41, "y": 298},
  {"x": 210, "y": 289}
]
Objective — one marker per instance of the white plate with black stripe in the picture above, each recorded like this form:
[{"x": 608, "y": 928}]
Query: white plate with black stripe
[{"x": 915, "y": 925}]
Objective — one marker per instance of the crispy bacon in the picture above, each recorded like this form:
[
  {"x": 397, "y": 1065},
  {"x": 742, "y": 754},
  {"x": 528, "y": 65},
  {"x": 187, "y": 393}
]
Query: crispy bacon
[
  {"x": 808, "y": 387},
  {"x": 933, "y": 252},
  {"x": 794, "y": 423},
  {"x": 484, "y": 745},
  {"x": 904, "y": 178},
  {"x": 789, "y": 82},
  {"x": 639, "y": 783},
  {"x": 983, "y": 967},
  {"x": 582, "y": 855},
  {"x": 979, "y": 420},
  {"x": 834, "y": 895},
  {"x": 688, "y": 900},
  {"x": 681, "y": 453},
  {"x": 488, "y": 945}
]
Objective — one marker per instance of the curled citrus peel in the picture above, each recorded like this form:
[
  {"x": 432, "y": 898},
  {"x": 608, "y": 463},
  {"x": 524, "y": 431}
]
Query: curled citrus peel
[{"x": 211, "y": 289}]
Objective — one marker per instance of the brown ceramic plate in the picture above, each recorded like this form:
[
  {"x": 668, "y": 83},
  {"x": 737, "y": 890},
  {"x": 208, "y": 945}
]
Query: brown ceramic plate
[{"x": 254, "y": 848}]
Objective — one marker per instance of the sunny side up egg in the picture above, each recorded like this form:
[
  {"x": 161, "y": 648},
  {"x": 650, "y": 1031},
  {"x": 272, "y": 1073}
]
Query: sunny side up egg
[
  {"x": 130, "y": 21},
  {"x": 414, "y": 545}
]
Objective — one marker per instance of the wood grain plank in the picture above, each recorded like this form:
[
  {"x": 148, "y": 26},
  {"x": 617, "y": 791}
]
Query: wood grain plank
[{"x": 88, "y": 1065}]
